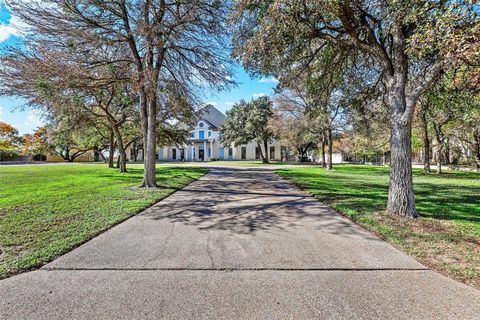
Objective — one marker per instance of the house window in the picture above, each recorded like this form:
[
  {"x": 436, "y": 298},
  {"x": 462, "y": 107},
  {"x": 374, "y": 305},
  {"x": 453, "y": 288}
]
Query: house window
[
  {"x": 230, "y": 152},
  {"x": 257, "y": 153},
  {"x": 200, "y": 124},
  {"x": 209, "y": 152},
  {"x": 244, "y": 153},
  {"x": 174, "y": 154},
  {"x": 209, "y": 133},
  {"x": 201, "y": 134},
  {"x": 192, "y": 135},
  {"x": 272, "y": 152}
]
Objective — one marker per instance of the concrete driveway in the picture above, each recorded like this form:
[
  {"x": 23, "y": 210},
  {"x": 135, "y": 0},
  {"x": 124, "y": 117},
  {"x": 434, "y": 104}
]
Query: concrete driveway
[{"x": 240, "y": 243}]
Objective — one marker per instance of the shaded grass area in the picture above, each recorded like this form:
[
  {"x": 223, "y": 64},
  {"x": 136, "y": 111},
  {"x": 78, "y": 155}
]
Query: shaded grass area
[
  {"x": 447, "y": 238},
  {"x": 47, "y": 210}
]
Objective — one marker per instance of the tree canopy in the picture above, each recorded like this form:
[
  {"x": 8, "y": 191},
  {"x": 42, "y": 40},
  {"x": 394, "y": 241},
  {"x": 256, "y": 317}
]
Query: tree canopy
[{"x": 249, "y": 121}]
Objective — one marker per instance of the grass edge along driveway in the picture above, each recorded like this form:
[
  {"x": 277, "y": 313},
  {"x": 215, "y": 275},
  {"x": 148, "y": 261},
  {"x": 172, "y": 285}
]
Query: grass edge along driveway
[
  {"x": 446, "y": 238},
  {"x": 47, "y": 210}
]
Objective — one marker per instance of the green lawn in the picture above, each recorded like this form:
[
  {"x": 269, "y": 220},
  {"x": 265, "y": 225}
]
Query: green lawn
[
  {"x": 47, "y": 210},
  {"x": 447, "y": 237}
]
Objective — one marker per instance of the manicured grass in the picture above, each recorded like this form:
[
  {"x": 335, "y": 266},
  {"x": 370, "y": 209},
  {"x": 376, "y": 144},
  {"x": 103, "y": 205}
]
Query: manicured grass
[
  {"x": 447, "y": 238},
  {"x": 46, "y": 210}
]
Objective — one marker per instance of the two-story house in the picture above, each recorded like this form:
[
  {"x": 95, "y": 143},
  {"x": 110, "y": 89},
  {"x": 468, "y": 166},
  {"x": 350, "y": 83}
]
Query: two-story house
[{"x": 204, "y": 144}]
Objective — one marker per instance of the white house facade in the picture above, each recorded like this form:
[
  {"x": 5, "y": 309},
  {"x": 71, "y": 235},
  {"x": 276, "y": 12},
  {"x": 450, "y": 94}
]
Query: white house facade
[{"x": 204, "y": 144}]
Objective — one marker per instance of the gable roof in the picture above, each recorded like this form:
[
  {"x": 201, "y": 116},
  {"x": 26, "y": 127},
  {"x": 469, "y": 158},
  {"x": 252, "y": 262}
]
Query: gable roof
[{"x": 213, "y": 116}]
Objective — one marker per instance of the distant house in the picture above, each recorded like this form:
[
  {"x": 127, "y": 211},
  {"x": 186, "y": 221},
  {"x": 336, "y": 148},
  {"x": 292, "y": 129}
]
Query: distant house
[{"x": 204, "y": 144}]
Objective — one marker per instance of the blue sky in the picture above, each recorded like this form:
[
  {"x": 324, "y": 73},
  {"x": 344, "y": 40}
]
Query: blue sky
[{"x": 26, "y": 120}]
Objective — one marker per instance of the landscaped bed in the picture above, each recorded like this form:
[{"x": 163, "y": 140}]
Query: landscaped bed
[
  {"x": 446, "y": 238},
  {"x": 46, "y": 210}
]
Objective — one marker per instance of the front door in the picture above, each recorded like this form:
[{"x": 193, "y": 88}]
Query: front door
[
  {"x": 201, "y": 154},
  {"x": 221, "y": 154}
]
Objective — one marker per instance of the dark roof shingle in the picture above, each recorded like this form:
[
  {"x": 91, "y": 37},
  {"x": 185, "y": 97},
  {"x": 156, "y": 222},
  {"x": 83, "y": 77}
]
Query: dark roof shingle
[{"x": 213, "y": 116}]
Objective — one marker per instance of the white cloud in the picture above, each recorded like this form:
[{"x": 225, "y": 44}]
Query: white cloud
[
  {"x": 6, "y": 31},
  {"x": 13, "y": 28},
  {"x": 269, "y": 80},
  {"x": 1, "y": 113},
  {"x": 229, "y": 103},
  {"x": 258, "y": 95},
  {"x": 213, "y": 103}
]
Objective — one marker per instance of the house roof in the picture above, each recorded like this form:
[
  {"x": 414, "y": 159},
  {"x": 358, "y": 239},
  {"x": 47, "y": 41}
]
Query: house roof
[{"x": 213, "y": 116}]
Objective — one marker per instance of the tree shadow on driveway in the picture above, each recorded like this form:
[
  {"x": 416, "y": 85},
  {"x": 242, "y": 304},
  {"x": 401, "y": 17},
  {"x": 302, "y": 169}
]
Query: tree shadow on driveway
[{"x": 249, "y": 201}]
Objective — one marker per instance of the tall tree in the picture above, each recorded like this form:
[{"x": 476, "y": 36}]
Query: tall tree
[
  {"x": 68, "y": 139},
  {"x": 35, "y": 143},
  {"x": 293, "y": 126},
  {"x": 9, "y": 139},
  {"x": 249, "y": 121},
  {"x": 444, "y": 104},
  {"x": 65, "y": 84},
  {"x": 423, "y": 120},
  {"x": 409, "y": 41},
  {"x": 181, "y": 41}
]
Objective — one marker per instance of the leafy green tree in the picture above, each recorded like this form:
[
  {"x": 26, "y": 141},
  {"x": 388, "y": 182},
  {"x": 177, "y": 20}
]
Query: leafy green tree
[
  {"x": 406, "y": 42},
  {"x": 70, "y": 135},
  {"x": 249, "y": 121},
  {"x": 158, "y": 41},
  {"x": 444, "y": 105}
]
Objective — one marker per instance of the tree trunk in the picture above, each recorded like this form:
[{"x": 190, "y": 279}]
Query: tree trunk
[
  {"x": 111, "y": 149},
  {"x": 150, "y": 146},
  {"x": 476, "y": 136},
  {"x": 323, "y": 151},
  {"x": 265, "y": 144},
  {"x": 261, "y": 152},
  {"x": 65, "y": 154},
  {"x": 426, "y": 143},
  {"x": 401, "y": 198},
  {"x": 439, "y": 158},
  {"x": 439, "y": 151},
  {"x": 329, "y": 149},
  {"x": 447, "y": 152},
  {"x": 122, "y": 155}
]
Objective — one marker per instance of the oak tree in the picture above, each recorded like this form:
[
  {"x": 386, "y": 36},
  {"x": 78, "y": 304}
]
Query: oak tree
[{"x": 410, "y": 42}]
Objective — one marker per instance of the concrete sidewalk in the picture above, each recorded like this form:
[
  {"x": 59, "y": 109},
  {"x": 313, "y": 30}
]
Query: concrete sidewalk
[{"x": 237, "y": 244}]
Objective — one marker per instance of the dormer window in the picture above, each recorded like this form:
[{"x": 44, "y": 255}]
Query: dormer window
[
  {"x": 200, "y": 124},
  {"x": 209, "y": 133}
]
